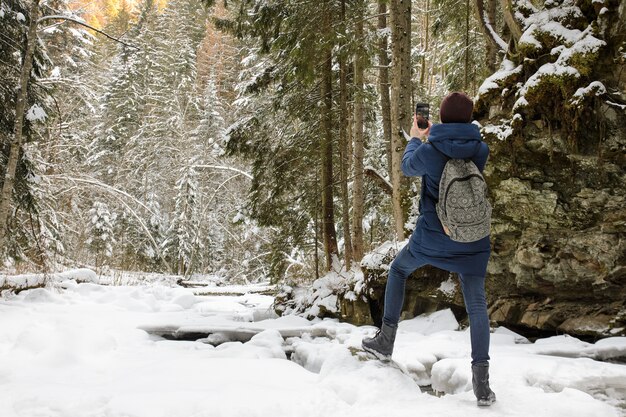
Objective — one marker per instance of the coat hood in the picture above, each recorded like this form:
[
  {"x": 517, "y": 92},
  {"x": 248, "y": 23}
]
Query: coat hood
[{"x": 455, "y": 140}]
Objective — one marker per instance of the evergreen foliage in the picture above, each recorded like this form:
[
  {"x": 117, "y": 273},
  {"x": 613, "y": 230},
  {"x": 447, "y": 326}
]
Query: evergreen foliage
[
  {"x": 262, "y": 177},
  {"x": 101, "y": 239}
]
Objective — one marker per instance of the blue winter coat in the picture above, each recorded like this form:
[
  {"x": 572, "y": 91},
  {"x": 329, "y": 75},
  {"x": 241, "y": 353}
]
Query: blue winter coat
[{"x": 448, "y": 140}]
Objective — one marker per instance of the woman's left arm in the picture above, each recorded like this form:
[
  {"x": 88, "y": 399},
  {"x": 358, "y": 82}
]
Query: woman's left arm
[
  {"x": 481, "y": 156},
  {"x": 412, "y": 164}
]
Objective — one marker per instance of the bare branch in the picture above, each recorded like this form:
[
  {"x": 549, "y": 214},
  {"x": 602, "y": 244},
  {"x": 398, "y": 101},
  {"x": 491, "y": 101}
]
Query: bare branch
[
  {"x": 115, "y": 191},
  {"x": 80, "y": 22}
]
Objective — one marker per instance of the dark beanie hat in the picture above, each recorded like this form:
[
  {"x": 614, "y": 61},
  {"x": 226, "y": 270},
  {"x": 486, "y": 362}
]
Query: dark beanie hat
[{"x": 456, "y": 108}]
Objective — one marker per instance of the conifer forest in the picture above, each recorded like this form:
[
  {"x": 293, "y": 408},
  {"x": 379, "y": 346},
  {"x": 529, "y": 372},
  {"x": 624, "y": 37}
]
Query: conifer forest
[
  {"x": 257, "y": 138},
  {"x": 262, "y": 139},
  {"x": 239, "y": 138}
]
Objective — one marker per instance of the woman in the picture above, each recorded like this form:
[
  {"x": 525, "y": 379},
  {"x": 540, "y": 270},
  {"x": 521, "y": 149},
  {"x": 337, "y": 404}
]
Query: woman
[{"x": 455, "y": 137}]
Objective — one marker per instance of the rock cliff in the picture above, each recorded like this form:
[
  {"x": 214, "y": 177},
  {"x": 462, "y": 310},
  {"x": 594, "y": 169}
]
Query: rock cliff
[{"x": 554, "y": 116}]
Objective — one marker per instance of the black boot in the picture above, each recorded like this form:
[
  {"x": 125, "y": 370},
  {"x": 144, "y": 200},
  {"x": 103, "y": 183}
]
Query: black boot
[
  {"x": 381, "y": 345},
  {"x": 480, "y": 381}
]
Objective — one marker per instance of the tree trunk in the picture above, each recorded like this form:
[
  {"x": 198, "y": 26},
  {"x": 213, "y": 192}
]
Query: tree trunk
[
  {"x": 400, "y": 20},
  {"x": 316, "y": 224},
  {"x": 383, "y": 80},
  {"x": 328, "y": 215},
  {"x": 492, "y": 49},
  {"x": 358, "y": 194},
  {"x": 426, "y": 40},
  {"x": 16, "y": 144},
  {"x": 343, "y": 144},
  {"x": 467, "y": 31},
  {"x": 486, "y": 21},
  {"x": 509, "y": 18}
]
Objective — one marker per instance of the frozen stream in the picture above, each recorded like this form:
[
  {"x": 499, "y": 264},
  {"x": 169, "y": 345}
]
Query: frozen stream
[{"x": 85, "y": 351}]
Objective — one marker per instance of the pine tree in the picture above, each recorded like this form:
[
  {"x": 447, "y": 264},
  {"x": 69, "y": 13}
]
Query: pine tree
[
  {"x": 26, "y": 231},
  {"x": 126, "y": 102},
  {"x": 100, "y": 230},
  {"x": 181, "y": 236},
  {"x": 210, "y": 132}
]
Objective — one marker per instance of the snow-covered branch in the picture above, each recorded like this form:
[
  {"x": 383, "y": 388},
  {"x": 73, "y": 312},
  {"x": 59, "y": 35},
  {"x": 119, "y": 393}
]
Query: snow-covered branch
[
  {"x": 83, "y": 23},
  {"x": 488, "y": 28},
  {"x": 380, "y": 180},
  {"x": 244, "y": 173},
  {"x": 117, "y": 192}
]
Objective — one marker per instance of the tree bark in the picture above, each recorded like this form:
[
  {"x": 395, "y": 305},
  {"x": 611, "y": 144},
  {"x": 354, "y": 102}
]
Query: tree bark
[
  {"x": 383, "y": 80},
  {"x": 20, "y": 107},
  {"x": 509, "y": 19},
  {"x": 343, "y": 143},
  {"x": 358, "y": 194},
  {"x": 426, "y": 40},
  {"x": 492, "y": 50},
  {"x": 487, "y": 25},
  {"x": 316, "y": 224},
  {"x": 400, "y": 20},
  {"x": 467, "y": 31},
  {"x": 328, "y": 215}
]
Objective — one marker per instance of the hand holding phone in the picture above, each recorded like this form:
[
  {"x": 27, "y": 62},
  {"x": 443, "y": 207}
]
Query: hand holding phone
[
  {"x": 422, "y": 114},
  {"x": 416, "y": 132},
  {"x": 421, "y": 124}
]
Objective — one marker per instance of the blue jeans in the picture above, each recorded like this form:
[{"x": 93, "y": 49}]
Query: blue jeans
[{"x": 473, "y": 294}]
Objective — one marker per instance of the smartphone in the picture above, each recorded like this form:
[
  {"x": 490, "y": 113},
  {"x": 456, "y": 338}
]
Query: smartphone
[{"x": 422, "y": 113}]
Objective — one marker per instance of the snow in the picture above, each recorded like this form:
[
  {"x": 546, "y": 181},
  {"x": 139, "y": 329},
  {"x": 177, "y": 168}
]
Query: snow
[
  {"x": 384, "y": 32},
  {"x": 521, "y": 102},
  {"x": 448, "y": 287},
  {"x": 380, "y": 257},
  {"x": 558, "y": 31},
  {"x": 507, "y": 68},
  {"x": 619, "y": 106},
  {"x": 574, "y": 44},
  {"x": 548, "y": 70},
  {"x": 567, "y": 10},
  {"x": 595, "y": 88},
  {"x": 567, "y": 346},
  {"x": 501, "y": 43},
  {"x": 582, "y": 43},
  {"x": 428, "y": 324},
  {"x": 528, "y": 38},
  {"x": 323, "y": 295},
  {"x": 36, "y": 113},
  {"x": 500, "y": 131},
  {"x": 79, "y": 351},
  {"x": 30, "y": 280},
  {"x": 233, "y": 289},
  {"x": 381, "y": 176}
]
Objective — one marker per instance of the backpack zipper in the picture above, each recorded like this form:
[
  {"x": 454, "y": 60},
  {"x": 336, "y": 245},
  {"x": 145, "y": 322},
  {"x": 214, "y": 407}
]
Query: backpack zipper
[{"x": 445, "y": 195}]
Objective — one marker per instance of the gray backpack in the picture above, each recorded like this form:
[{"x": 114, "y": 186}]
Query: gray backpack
[{"x": 463, "y": 207}]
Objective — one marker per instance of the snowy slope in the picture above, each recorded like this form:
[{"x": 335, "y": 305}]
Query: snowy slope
[{"x": 79, "y": 352}]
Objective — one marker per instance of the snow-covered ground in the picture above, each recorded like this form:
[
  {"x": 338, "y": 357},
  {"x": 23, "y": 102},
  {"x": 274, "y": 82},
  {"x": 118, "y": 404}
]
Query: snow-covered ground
[{"x": 80, "y": 352}]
